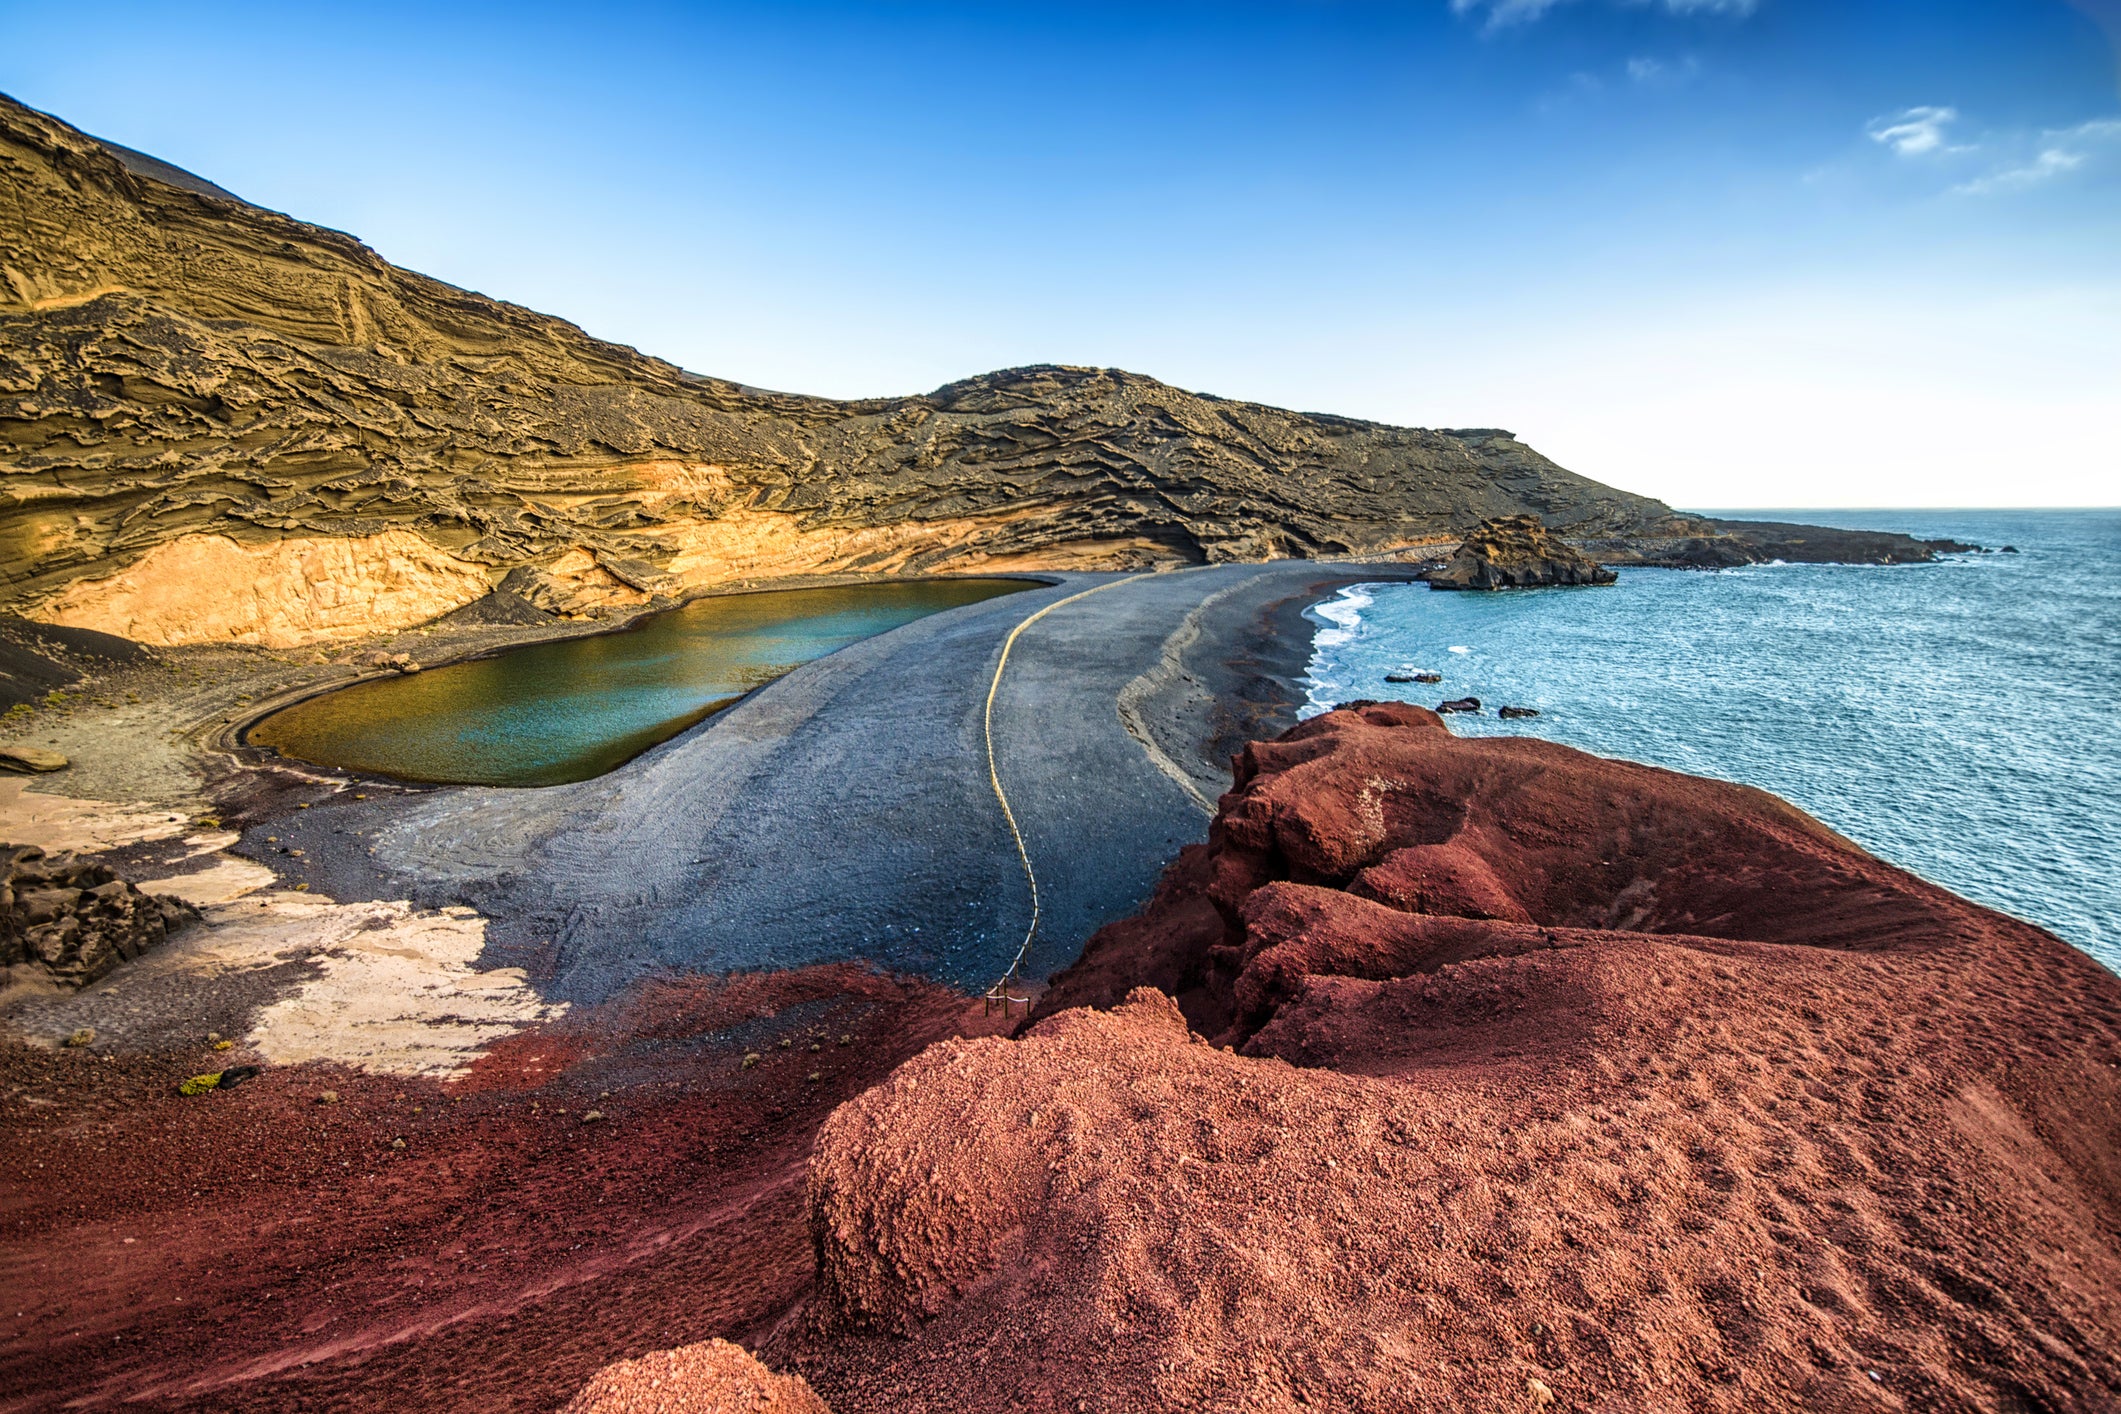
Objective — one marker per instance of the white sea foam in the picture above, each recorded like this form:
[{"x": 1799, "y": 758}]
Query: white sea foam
[
  {"x": 1344, "y": 613},
  {"x": 1906, "y": 705}
]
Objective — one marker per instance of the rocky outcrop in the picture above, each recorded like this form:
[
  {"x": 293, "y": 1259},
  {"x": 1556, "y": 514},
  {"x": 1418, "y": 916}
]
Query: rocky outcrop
[
  {"x": 713, "y": 1377},
  {"x": 1727, "y": 544},
  {"x": 1489, "y": 1074},
  {"x": 209, "y": 412},
  {"x": 72, "y": 921},
  {"x": 1516, "y": 552}
]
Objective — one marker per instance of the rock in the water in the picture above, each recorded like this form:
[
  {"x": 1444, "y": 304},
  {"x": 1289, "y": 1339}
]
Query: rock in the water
[
  {"x": 1413, "y": 677},
  {"x": 712, "y": 1377},
  {"x": 21, "y": 759},
  {"x": 74, "y": 919},
  {"x": 1460, "y": 704},
  {"x": 1516, "y": 552},
  {"x": 1511, "y": 714}
]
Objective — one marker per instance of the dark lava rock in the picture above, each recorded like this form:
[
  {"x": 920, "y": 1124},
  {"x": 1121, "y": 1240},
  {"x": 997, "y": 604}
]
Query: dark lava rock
[
  {"x": 1517, "y": 552},
  {"x": 500, "y": 607},
  {"x": 1827, "y": 545},
  {"x": 36, "y": 659},
  {"x": 76, "y": 920},
  {"x": 1462, "y": 704},
  {"x": 1511, "y": 714},
  {"x": 1413, "y": 677}
]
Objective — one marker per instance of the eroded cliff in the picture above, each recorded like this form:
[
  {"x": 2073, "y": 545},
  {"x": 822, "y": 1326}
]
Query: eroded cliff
[{"x": 190, "y": 385}]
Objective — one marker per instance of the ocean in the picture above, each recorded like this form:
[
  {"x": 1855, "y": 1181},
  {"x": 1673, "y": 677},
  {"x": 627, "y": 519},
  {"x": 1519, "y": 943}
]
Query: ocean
[{"x": 1960, "y": 719}]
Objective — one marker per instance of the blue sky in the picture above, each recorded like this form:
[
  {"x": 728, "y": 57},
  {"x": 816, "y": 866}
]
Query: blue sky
[{"x": 1728, "y": 252}]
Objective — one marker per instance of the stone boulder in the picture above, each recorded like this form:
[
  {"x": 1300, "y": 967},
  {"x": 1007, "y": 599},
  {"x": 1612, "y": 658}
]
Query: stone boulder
[
  {"x": 1516, "y": 552},
  {"x": 75, "y": 920}
]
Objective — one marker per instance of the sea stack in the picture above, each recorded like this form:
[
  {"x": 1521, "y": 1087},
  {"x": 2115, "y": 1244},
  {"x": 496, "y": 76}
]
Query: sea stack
[{"x": 1516, "y": 552}]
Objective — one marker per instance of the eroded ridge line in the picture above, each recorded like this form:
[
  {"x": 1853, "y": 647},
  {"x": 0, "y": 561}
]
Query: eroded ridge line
[{"x": 999, "y": 992}]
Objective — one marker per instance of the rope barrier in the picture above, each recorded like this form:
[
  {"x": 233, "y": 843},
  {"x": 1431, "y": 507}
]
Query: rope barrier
[{"x": 999, "y": 992}]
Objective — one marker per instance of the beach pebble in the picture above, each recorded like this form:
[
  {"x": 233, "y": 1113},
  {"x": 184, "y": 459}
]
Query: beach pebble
[
  {"x": 86, "y": 1035},
  {"x": 328, "y": 1097},
  {"x": 751, "y": 1058}
]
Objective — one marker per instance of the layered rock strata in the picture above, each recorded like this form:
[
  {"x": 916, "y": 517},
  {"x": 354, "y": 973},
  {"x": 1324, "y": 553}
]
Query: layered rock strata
[
  {"x": 71, "y": 920},
  {"x": 1498, "y": 1076},
  {"x": 1516, "y": 552},
  {"x": 196, "y": 392}
]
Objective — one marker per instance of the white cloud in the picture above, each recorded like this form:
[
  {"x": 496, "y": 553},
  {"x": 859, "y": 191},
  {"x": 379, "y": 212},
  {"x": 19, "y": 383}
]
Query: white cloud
[
  {"x": 2052, "y": 162},
  {"x": 2057, "y": 152},
  {"x": 1914, "y": 132},
  {"x": 1656, "y": 72},
  {"x": 1503, "y": 13}
]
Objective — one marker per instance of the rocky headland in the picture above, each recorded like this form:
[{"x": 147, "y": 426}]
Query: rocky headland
[
  {"x": 218, "y": 422},
  {"x": 221, "y": 424},
  {"x": 1474, "y": 1073},
  {"x": 1516, "y": 552}
]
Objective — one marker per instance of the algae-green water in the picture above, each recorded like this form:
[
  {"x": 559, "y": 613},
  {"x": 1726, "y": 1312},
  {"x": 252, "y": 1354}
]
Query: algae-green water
[{"x": 551, "y": 713}]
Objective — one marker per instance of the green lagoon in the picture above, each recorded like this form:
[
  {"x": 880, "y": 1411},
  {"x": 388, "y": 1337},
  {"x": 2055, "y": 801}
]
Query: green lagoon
[{"x": 551, "y": 713}]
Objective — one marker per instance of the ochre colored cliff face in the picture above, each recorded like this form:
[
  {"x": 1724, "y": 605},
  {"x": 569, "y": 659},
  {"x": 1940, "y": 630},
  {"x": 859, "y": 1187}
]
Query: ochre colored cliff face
[
  {"x": 180, "y": 368},
  {"x": 1499, "y": 1076}
]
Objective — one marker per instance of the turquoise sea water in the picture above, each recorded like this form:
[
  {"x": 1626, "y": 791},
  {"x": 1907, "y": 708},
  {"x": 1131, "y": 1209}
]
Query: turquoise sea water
[{"x": 1960, "y": 719}]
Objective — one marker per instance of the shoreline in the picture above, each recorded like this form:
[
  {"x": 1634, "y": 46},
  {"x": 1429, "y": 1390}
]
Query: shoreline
[
  {"x": 322, "y": 1304},
  {"x": 254, "y": 822}
]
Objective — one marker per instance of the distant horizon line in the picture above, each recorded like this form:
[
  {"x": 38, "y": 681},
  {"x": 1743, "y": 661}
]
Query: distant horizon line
[{"x": 1885, "y": 510}]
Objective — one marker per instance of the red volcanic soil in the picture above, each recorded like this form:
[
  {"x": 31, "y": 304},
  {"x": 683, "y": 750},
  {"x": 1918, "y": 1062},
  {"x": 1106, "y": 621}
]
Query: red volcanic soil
[
  {"x": 259, "y": 1250},
  {"x": 1499, "y": 1077},
  {"x": 713, "y": 1377}
]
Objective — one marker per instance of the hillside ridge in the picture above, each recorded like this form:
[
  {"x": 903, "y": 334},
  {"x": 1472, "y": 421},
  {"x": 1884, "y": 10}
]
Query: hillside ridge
[{"x": 208, "y": 410}]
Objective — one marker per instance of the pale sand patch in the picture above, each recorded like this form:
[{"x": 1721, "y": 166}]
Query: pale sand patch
[
  {"x": 55, "y": 822},
  {"x": 228, "y": 880},
  {"x": 399, "y": 992}
]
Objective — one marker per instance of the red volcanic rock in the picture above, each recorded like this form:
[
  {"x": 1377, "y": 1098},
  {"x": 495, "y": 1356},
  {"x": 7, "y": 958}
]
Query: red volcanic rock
[
  {"x": 713, "y": 1377},
  {"x": 1514, "y": 1076}
]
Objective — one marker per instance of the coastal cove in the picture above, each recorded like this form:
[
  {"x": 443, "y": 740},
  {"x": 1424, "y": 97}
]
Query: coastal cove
[
  {"x": 572, "y": 709},
  {"x": 1954, "y": 718}
]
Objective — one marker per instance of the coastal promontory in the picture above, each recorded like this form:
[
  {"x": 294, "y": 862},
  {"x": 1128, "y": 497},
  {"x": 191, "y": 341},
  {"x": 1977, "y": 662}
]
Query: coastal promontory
[{"x": 1516, "y": 552}]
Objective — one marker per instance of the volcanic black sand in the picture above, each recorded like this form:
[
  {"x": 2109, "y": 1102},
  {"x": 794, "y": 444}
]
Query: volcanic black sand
[
  {"x": 844, "y": 812},
  {"x": 833, "y": 841}
]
